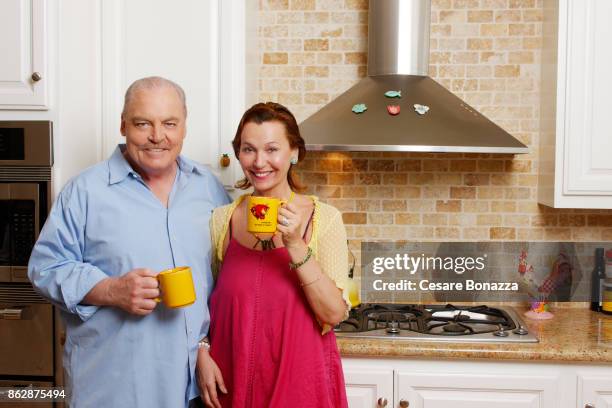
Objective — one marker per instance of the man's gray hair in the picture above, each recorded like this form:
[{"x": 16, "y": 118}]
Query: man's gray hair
[{"x": 152, "y": 82}]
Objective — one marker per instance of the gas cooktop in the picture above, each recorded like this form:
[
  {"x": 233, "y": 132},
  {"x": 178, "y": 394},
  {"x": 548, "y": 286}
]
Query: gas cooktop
[{"x": 447, "y": 323}]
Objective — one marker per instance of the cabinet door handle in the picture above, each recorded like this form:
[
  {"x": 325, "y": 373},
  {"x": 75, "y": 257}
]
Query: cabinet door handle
[
  {"x": 382, "y": 403},
  {"x": 224, "y": 161},
  {"x": 403, "y": 403},
  {"x": 36, "y": 76}
]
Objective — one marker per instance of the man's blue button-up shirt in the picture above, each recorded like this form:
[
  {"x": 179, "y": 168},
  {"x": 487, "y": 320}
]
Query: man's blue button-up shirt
[{"x": 105, "y": 223}]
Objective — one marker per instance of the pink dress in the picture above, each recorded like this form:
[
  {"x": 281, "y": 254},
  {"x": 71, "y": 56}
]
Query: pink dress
[{"x": 265, "y": 338}]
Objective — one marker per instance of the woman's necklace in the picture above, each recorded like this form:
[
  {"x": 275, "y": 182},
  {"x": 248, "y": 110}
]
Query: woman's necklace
[{"x": 268, "y": 244}]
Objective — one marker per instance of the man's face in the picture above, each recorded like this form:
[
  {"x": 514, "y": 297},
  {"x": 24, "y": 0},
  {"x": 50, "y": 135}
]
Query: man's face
[{"x": 154, "y": 129}]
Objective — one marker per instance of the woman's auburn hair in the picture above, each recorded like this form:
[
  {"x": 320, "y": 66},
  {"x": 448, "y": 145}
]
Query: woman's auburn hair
[{"x": 269, "y": 112}]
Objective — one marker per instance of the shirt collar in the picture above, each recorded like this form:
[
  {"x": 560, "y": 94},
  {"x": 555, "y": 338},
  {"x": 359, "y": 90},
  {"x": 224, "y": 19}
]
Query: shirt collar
[
  {"x": 119, "y": 168},
  {"x": 189, "y": 166}
]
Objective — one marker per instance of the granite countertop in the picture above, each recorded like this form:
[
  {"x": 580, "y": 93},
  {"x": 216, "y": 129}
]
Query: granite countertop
[{"x": 573, "y": 335}]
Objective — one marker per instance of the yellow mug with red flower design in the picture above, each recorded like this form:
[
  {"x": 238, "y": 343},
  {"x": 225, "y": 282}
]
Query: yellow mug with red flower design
[{"x": 262, "y": 214}]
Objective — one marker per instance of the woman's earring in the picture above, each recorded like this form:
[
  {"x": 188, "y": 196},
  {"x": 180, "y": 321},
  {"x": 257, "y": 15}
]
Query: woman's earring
[{"x": 293, "y": 161}]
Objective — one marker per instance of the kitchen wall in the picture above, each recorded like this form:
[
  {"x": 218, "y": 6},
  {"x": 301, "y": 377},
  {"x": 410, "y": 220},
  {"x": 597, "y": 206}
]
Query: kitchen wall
[{"x": 485, "y": 51}]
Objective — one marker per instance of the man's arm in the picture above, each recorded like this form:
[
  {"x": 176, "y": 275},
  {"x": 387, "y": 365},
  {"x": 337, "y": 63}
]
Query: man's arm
[
  {"x": 58, "y": 272},
  {"x": 56, "y": 268}
]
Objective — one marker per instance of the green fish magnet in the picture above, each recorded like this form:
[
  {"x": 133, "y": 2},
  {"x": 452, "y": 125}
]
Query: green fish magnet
[
  {"x": 359, "y": 108},
  {"x": 393, "y": 94}
]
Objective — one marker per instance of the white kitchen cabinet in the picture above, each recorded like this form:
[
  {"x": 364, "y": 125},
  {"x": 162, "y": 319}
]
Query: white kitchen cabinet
[
  {"x": 367, "y": 387},
  {"x": 481, "y": 389},
  {"x": 23, "y": 73},
  {"x": 594, "y": 390},
  {"x": 476, "y": 384},
  {"x": 575, "y": 166}
]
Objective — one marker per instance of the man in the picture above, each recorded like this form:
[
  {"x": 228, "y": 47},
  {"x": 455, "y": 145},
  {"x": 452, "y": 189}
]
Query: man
[{"x": 111, "y": 230}]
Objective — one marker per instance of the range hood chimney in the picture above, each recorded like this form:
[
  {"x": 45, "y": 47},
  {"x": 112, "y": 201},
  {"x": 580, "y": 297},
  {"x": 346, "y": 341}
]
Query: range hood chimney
[{"x": 398, "y": 60}]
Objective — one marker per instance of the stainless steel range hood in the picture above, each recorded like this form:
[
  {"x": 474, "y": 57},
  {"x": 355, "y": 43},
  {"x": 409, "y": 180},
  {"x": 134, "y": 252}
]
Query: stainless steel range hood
[{"x": 398, "y": 60}]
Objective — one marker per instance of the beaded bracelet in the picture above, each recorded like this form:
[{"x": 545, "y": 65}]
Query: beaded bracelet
[{"x": 303, "y": 261}]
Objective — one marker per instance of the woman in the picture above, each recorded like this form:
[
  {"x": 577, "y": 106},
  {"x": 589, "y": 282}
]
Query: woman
[{"x": 277, "y": 296}]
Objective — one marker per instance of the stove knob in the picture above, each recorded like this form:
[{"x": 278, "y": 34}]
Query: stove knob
[
  {"x": 393, "y": 327},
  {"x": 382, "y": 403},
  {"x": 521, "y": 330},
  {"x": 403, "y": 403},
  {"x": 501, "y": 332}
]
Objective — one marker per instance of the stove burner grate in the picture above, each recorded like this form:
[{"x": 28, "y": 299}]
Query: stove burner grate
[
  {"x": 456, "y": 328},
  {"x": 438, "y": 320}
]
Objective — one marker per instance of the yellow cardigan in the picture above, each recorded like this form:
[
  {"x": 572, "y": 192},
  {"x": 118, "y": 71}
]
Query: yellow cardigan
[{"x": 328, "y": 242}]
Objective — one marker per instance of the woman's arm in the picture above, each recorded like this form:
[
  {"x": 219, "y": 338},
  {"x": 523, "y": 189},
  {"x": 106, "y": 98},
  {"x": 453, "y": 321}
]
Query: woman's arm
[
  {"x": 323, "y": 294},
  {"x": 324, "y": 297},
  {"x": 209, "y": 379}
]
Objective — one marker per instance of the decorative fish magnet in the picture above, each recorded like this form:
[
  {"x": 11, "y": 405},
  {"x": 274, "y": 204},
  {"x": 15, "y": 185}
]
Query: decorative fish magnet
[
  {"x": 421, "y": 109},
  {"x": 393, "y": 94},
  {"x": 393, "y": 109},
  {"x": 359, "y": 108}
]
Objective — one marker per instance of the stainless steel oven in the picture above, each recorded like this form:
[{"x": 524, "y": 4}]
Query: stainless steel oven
[{"x": 29, "y": 327}]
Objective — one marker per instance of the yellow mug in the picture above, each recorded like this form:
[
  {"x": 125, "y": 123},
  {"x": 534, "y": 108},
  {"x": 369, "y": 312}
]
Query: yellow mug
[
  {"x": 262, "y": 214},
  {"x": 176, "y": 286}
]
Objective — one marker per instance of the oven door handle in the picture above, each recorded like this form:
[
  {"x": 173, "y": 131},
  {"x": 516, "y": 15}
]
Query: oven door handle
[{"x": 15, "y": 313}]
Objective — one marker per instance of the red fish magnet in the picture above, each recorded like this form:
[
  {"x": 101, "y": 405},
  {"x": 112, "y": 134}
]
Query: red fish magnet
[{"x": 393, "y": 109}]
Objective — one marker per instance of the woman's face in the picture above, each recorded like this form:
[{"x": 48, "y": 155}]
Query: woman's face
[{"x": 265, "y": 156}]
